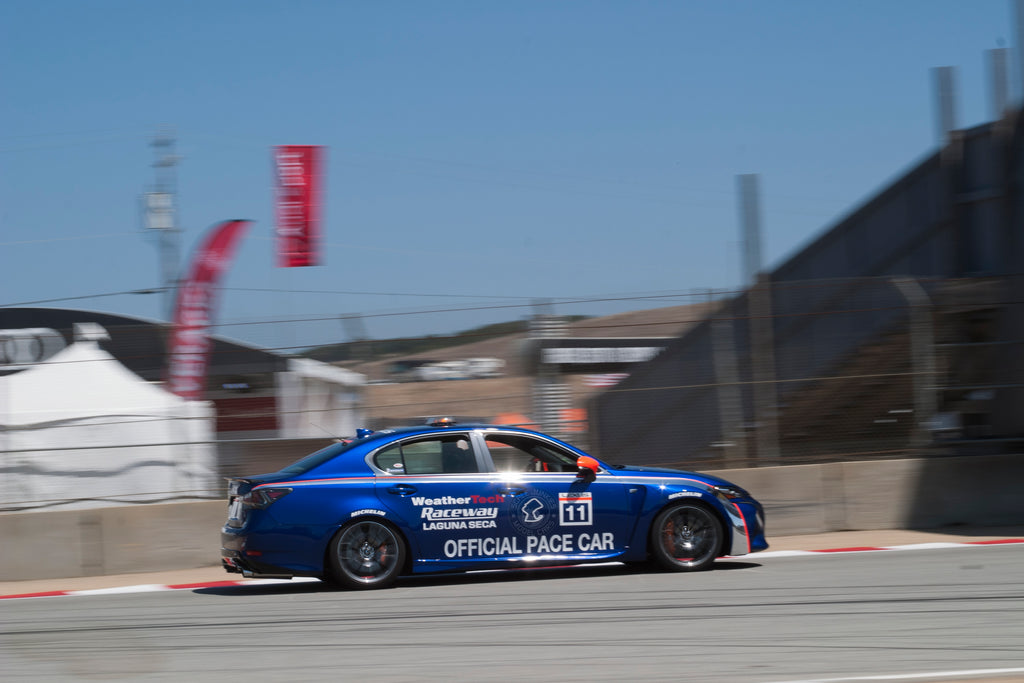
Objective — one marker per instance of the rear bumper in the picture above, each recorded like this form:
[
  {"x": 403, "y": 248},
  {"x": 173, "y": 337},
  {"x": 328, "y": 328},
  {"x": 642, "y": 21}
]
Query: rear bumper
[
  {"x": 248, "y": 568},
  {"x": 237, "y": 559}
]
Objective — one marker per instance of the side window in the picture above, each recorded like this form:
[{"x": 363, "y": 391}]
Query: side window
[
  {"x": 517, "y": 453},
  {"x": 390, "y": 459},
  {"x": 450, "y": 454}
]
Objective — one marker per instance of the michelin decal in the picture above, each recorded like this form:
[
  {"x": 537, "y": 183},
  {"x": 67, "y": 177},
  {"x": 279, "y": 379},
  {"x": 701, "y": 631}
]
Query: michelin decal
[{"x": 368, "y": 511}]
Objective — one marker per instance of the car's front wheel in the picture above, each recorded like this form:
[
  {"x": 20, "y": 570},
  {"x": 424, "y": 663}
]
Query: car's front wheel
[
  {"x": 366, "y": 554},
  {"x": 686, "y": 538}
]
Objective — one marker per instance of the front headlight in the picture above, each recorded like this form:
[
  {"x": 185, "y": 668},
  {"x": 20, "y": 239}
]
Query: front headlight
[{"x": 731, "y": 492}]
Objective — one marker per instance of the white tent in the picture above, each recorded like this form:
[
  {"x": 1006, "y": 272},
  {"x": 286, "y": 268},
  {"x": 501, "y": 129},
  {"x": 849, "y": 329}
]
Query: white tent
[
  {"x": 319, "y": 400},
  {"x": 81, "y": 430}
]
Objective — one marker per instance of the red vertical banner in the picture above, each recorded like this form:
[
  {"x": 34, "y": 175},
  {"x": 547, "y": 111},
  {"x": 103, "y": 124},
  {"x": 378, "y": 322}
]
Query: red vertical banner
[
  {"x": 189, "y": 348},
  {"x": 299, "y": 170}
]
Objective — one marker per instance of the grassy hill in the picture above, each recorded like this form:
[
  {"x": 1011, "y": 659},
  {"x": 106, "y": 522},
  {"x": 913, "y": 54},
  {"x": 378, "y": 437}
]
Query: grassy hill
[{"x": 376, "y": 349}]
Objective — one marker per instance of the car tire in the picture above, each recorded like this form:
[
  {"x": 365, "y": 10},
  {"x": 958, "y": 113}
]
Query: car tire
[
  {"x": 686, "y": 538},
  {"x": 366, "y": 553}
]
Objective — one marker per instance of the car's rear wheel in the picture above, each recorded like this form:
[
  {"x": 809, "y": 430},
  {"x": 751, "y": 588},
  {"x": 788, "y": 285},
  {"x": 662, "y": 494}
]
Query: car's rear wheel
[
  {"x": 366, "y": 554},
  {"x": 686, "y": 538}
]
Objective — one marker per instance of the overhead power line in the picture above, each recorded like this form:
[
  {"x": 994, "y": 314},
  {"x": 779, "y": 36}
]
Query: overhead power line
[
  {"x": 78, "y": 298},
  {"x": 525, "y": 299},
  {"x": 358, "y": 293},
  {"x": 66, "y": 239}
]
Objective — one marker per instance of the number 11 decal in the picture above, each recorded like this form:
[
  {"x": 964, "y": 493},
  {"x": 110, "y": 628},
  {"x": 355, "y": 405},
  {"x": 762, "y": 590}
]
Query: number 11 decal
[{"x": 575, "y": 509}]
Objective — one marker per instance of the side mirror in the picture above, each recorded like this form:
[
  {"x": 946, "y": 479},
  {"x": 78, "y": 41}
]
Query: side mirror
[{"x": 587, "y": 468}]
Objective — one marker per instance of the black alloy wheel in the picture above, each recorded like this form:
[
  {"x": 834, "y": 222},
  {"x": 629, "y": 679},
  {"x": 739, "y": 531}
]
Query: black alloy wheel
[
  {"x": 686, "y": 538},
  {"x": 366, "y": 554}
]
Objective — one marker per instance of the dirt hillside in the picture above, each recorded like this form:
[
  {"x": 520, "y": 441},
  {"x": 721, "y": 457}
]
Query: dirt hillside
[{"x": 487, "y": 399}]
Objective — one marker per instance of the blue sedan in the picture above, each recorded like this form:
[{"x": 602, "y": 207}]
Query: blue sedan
[{"x": 446, "y": 497}]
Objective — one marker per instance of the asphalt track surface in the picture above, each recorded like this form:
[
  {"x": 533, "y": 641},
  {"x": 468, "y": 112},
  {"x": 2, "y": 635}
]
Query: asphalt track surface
[{"x": 929, "y": 614}]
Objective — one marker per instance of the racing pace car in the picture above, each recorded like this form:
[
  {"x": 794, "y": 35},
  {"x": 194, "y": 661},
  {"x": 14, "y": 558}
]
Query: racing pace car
[{"x": 446, "y": 497}]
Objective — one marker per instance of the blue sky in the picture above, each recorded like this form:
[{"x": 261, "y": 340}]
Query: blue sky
[{"x": 482, "y": 155}]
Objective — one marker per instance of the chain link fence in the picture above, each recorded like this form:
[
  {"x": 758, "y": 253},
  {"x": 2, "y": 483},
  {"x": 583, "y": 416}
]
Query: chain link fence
[{"x": 793, "y": 373}]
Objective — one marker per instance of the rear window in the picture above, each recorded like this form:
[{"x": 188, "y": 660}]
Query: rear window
[
  {"x": 319, "y": 457},
  {"x": 449, "y": 454}
]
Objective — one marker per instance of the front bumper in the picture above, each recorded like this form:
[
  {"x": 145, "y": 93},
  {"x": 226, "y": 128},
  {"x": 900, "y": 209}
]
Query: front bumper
[{"x": 746, "y": 518}]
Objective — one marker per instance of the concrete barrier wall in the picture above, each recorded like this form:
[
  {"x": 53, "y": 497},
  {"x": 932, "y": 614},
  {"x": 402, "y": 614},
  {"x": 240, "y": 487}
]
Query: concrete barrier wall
[
  {"x": 924, "y": 493},
  {"x": 805, "y": 499},
  {"x": 113, "y": 540}
]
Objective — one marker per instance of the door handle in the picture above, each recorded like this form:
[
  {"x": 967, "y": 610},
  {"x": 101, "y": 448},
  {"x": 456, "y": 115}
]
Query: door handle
[
  {"x": 402, "y": 489},
  {"x": 511, "y": 491}
]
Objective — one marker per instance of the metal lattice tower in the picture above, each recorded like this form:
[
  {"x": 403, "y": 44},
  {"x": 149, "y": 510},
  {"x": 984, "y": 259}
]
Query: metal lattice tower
[
  {"x": 160, "y": 208},
  {"x": 552, "y": 397}
]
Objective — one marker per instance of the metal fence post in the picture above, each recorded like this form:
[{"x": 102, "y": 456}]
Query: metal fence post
[
  {"x": 730, "y": 405},
  {"x": 762, "y": 347},
  {"x": 922, "y": 355}
]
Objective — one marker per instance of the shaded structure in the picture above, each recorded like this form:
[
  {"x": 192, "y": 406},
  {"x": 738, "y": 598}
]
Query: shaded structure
[{"x": 895, "y": 332}]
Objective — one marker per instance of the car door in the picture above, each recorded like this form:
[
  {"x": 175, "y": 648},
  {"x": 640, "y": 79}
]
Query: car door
[
  {"x": 552, "y": 511},
  {"x": 454, "y": 512}
]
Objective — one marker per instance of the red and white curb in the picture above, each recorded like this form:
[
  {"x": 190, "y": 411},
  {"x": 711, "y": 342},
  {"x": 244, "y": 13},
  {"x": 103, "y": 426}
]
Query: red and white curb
[
  {"x": 156, "y": 587},
  {"x": 868, "y": 549},
  {"x": 929, "y": 676}
]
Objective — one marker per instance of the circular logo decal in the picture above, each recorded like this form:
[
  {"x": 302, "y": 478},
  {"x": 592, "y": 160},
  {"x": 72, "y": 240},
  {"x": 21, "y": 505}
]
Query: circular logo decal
[{"x": 533, "y": 512}]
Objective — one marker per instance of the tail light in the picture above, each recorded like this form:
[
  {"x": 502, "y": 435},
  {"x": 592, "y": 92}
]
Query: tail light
[
  {"x": 264, "y": 498},
  {"x": 239, "y": 505}
]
